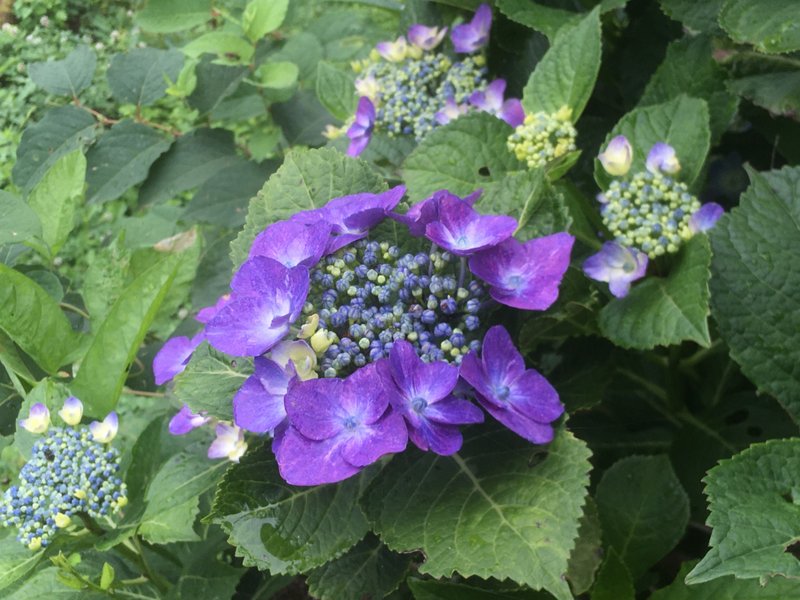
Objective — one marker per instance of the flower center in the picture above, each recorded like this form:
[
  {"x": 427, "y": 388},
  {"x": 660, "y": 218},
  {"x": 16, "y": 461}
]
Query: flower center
[
  {"x": 419, "y": 404},
  {"x": 350, "y": 423},
  {"x": 502, "y": 392}
]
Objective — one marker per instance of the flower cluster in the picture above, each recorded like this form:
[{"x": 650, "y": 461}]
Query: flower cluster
[
  {"x": 408, "y": 87},
  {"x": 543, "y": 137},
  {"x": 649, "y": 213},
  {"x": 71, "y": 470},
  {"x": 392, "y": 345}
]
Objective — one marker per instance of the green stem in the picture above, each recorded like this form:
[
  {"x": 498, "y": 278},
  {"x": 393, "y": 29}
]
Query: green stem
[
  {"x": 75, "y": 309},
  {"x": 701, "y": 354},
  {"x": 161, "y": 583}
]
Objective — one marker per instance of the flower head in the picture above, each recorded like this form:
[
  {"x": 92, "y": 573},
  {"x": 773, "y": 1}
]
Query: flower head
[
  {"x": 38, "y": 419},
  {"x": 491, "y": 100},
  {"x": 174, "y": 356},
  {"x": 427, "y": 211},
  {"x": 395, "y": 51},
  {"x": 229, "y": 443},
  {"x": 616, "y": 265},
  {"x": 106, "y": 430},
  {"x": 471, "y": 37},
  {"x": 292, "y": 243},
  {"x": 461, "y": 230},
  {"x": 72, "y": 411},
  {"x": 543, "y": 137},
  {"x": 426, "y": 38},
  {"x": 185, "y": 420},
  {"x": 360, "y": 131},
  {"x": 706, "y": 217},
  {"x": 520, "y": 398},
  {"x": 662, "y": 159},
  {"x": 617, "y": 157}
]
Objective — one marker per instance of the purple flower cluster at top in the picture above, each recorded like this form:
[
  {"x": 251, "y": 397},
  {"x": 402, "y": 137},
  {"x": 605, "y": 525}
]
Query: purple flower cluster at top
[{"x": 326, "y": 429}]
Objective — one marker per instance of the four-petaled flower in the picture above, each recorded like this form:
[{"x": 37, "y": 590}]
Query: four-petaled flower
[
  {"x": 360, "y": 131},
  {"x": 471, "y": 37},
  {"x": 618, "y": 266},
  {"x": 460, "y": 229},
  {"x": 185, "y": 420}
]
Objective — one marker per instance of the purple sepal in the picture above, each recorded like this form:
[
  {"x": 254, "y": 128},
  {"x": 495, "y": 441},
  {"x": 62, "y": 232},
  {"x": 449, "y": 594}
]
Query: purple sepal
[
  {"x": 525, "y": 275},
  {"x": 427, "y": 211},
  {"x": 204, "y": 315},
  {"x": 258, "y": 405},
  {"x": 292, "y": 243},
  {"x": 185, "y": 420},
  {"x": 616, "y": 265},
  {"x": 426, "y": 38},
  {"x": 471, "y": 37},
  {"x": 521, "y": 399},
  {"x": 491, "y": 100},
  {"x": 450, "y": 112},
  {"x": 706, "y": 217},
  {"x": 662, "y": 158},
  {"x": 360, "y": 131},
  {"x": 461, "y": 230},
  {"x": 174, "y": 356}
]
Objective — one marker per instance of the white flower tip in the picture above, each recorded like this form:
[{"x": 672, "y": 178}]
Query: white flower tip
[
  {"x": 104, "y": 431},
  {"x": 617, "y": 157},
  {"x": 72, "y": 411},
  {"x": 38, "y": 419}
]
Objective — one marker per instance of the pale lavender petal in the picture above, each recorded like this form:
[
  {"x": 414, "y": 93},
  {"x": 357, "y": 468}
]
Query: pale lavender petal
[
  {"x": 173, "y": 357},
  {"x": 512, "y": 112},
  {"x": 302, "y": 461},
  {"x": 662, "y": 158},
  {"x": 361, "y": 129},
  {"x": 291, "y": 243},
  {"x": 706, "y": 217},
  {"x": 424, "y": 37},
  {"x": 204, "y": 315},
  {"x": 185, "y": 421},
  {"x": 258, "y": 405},
  {"x": 617, "y": 157},
  {"x": 471, "y": 37},
  {"x": 229, "y": 443},
  {"x": 616, "y": 265},
  {"x": 463, "y": 231},
  {"x": 450, "y": 112}
]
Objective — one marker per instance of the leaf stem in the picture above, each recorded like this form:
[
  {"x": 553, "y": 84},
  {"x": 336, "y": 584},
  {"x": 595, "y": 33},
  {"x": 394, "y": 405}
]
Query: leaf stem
[{"x": 75, "y": 309}]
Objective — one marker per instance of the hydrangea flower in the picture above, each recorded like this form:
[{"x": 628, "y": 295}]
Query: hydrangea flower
[
  {"x": 461, "y": 230},
  {"x": 106, "y": 430},
  {"x": 72, "y": 411},
  {"x": 706, "y": 217},
  {"x": 38, "y": 419},
  {"x": 491, "y": 100},
  {"x": 229, "y": 443},
  {"x": 617, "y": 157},
  {"x": 426, "y": 38},
  {"x": 185, "y": 421},
  {"x": 360, "y": 131},
  {"x": 617, "y": 265},
  {"x": 471, "y": 37}
]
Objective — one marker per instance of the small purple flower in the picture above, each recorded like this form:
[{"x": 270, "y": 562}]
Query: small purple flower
[
  {"x": 360, "y": 131},
  {"x": 618, "y": 266},
  {"x": 525, "y": 275},
  {"x": 292, "y": 243},
  {"x": 173, "y": 357},
  {"x": 617, "y": 157},
  {"x": 521, "y": 399},
  {"x": 38, "y": 419},
  {"x": 267, "y": 298},
  {"x": 450, "y": 112},
  {"x": 229, "y": 443},
  {"x": 491, "y": 100},
  {"x": 337, "y": 427},
  {"x": 471, "y": 37},
  {"x": 72, "y": 411},
  {"x": 185, "y": 420},
  {"x": 258, "y": 405},
  {"x": 662, "y": 159},
  {"x": 706, "y": 217},
  {"x": 426, "y": 38},
  {"x": 106, "y": 430},
  {"x": 395, "y": 51},
  {"x": 461, "y": 230},
  {"x": 204, "y": 315},
  {"x": 423, "y": 394},
  {"x": 427, "y": 211}
]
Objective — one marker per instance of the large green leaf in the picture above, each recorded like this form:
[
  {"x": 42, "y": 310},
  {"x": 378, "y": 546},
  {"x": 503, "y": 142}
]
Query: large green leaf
[
  {"x": 588, "y": 551},
  {"x": 462, "y": 156},
  {"x": 778, "y": 92},
  {"x": 230, "y": 48},
  {"x": 772, "y": 26},
  {"x": 754, "y": 499},
  {"x": 285, "y": 529},
  {"x": 566, "y": 74},
  {"x": 214, "y": 84},
  {"x": 260, "y": 17},
  {"x": 18, "y": 222},
  {"x": 547, "y": 19},
  {"x": 613, "y": 580},
  {"x": 167, "y": 16},
  {"x": 66, "y": 77},
  {"x": 105, "y": 367},
  {"x": 60, "y": 131},
  {"x": 499, "y": 508},
  {"x": 661, "y": 311},
  {"x": 699, "y": 16},
  {"x": 756, "y": 287},
  {"x": 31, "y": 318},
  {"x": 683, "y": 123},
  {"x": 336, "y": 90},
  {"x": 643, "y": 510},
  {"x": 16, "y": 560},
  {"x": 728, "y": 588},
  {"x": 307, "y": 179},
  {"x": 140, "y": 75},
  {"x": 444, "y": 590}
]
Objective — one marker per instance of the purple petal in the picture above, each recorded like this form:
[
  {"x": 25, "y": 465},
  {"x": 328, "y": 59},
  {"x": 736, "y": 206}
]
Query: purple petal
[
  {"x": 706, "y": 217},
  {"x": 258, "y": 405},
  {"x": 512, "y": 112},
  {"x": 247, "y": 326},
  {"x": 361, "y": 129},
  {"x": 450, "y": 112},
  {"x": 472, "y": 36},
  {"x": 204, "y": 315},
  {"x": 314, "y": 408},
  {"x": 616, "y": 265},
  {"x": 291, "y": 243},
  {"x": 454, "y": 411},
  {"x": 533, "y": 431},
  {"x": 415, "y": 379},
  {"x": 302, "y": 461},
  {"x": 185, "y": 421},
  {"x": 533, "y": 396},
  {"x": 463, "y": 231},
  {"x": 500, "y": 357},
  {"x": 662, "y": 158},
  {"x": 363, "y": 396},
  {"x": 441, "y": 439},
  {"x": 427, "y": 211},
  {"x": 174, "y": 356},
  {"x": 424, "y": 37},
  {"x": 229, "y": 443},
  {"x": 368, "y": 444}
]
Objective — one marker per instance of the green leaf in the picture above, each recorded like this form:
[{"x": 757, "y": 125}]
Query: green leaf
[
  {"x": 286, "y": 529},
  {"x": 547, "y": 19},
  {"x": 772, "y": 26},
  {"x": 462, "y": 156},
  {"x": 754, "y": 499},
  {"x": 121, "y": 159},
  {"x": 727, "y": 588},
  {"x": 210, "y": 381},
  {"x": 683, "y": 123},
  {"x": 643, "y": 510},
  {"x": 228, "y": 46},
  {"x": 699, "y": 16},
  {"x": 755, "y": 286},
  {"x": 106, "y": 576},
  {"x": 66, "y": 77},
  {"x": 336, "y": 90},
  {"x": 57, "y": 197},
  {"x": 18, "y": 222},
  {"x": 214, "y": 84},
  {"x": 168, "y": 16},
  {"x": 31, "y": 318},
  {"x": 368, "y": 569},
  {"x": 489, "y": 510},
  {"x": 60, "y": 131},
  {"x": 173, "y": 524},
  {"x": 779, "y": 92},
  {"x": 140, "y": 75},
  {"x": 613, "y": 580},
  {"x": 307, "y": 179},
  {"x": 661, "y": 311},
  {"x": 48, "y": 583},
  {"x": 566, "y": 74},
  {"x": 277, "y": 75},
  {"x": 261, "y": 17},
  {"x": 439, "y": 590},
  {"x": 588, "y": 551},
  {"x": 303, "y": 49},
  {"x": 16, "y": 561},
  {"x": 104, "y": 368}
]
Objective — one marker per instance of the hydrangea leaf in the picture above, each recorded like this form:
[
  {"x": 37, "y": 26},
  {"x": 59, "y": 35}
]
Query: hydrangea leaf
[
  {"x": 462, "y": 156},
  {"x": 307, "y": 179},
  {"x": 755, "y": 285},
  {"x": 682, "y": 122},
  {"x": 336, "y": 91},
  {"x": 769, "y": 25},
  {"x": 613, "y": 580},
  {"x": 727, "y": 588},
  {"x": 643, "y": 510},
  {"x": 588, "y": 551},
  {"x": 699, "y": 16},
  {"x": 778, "y": 92},
  {"x": 167, "y": 16},
  {"x": 499, "y": 508},
  {"x": 547, "y": 19},
  {"x": 263, "y": 16},
  {"x": 18, "y": 222},
  {"x": 567, "y": 72},
  {"x": 286, "y": 529},
  {"x": 16, "y": 561},
  {"x": 368, "y": 569},
  {"x": 140, "y": 75},
  {"x": 661, "y": 311},
  {"x": 754, "y": 501},
  {"x": 443, "y": 590},
  {"x": 67, "y": 77},
  {"x": 175, "y": 524}
]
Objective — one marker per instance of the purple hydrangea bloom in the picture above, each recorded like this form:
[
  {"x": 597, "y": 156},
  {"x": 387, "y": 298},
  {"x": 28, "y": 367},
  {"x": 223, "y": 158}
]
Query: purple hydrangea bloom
[
  {"x": 423, "y": 393},
  {"x": 450, "y": 112},
  {"x": 185, "y": 420},
  {"x": 258, "y": 405},
  {"x": 520, "y": 398},
  {"x": 204, "y": 315},
  {"x": 706, "y": 217},
  {"x": 174, "y": 356},
  {"x": 267, "y": 298},
  {"x": 424, "y": 37},
  {"x": 460, "y": 229},
  {"x": 337, "y": 427},
  {"x": 360, "y": 131},
  {"x": 471, "y": 37},
  {"x": 491, "y": 101},
  {"x": 427, "y": 211},
  {"x": 292, "y": 243},
  {"x": 616, "y": 265},
  {"x": 662, "y": 159},
  {"x": 525, "y": 275}
]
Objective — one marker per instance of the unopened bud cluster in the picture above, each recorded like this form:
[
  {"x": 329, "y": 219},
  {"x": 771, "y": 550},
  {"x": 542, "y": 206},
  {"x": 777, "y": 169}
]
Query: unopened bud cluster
[{"x": 543, "y": 138}]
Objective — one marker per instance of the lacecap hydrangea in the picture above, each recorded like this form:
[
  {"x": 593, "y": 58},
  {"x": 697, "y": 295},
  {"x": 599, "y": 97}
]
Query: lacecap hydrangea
[
  {"x": 361, "y": 344},
  {"x": 409, "y": 87},
  {"x": 650, "y": 213},
  {"x": 72, "y": 471}
]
